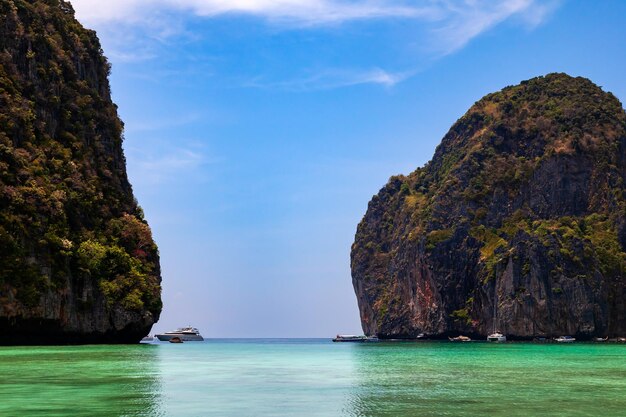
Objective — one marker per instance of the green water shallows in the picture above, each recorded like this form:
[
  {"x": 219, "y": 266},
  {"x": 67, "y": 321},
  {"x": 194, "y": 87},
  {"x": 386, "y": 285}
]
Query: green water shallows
[{"x": 314, "y": 378}]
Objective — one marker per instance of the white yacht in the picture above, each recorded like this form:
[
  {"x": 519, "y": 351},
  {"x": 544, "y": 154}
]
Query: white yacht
[
  {"x": 185, "y": 334},
  {"x": 496, "y": 337},
  {"x": 354, "y": 338},
  {"x": 349, "y": 338}
]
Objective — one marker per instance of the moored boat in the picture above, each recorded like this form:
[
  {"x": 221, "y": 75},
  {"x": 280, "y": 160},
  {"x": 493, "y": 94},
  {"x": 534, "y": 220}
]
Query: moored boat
[
  {"x": 186, "y": 334},
  {"x": 349, "y": 338},
  {"x": 460, "y": 339},
  {"x": 565, "y": 339},
  {"x": 496, "y": 337}
]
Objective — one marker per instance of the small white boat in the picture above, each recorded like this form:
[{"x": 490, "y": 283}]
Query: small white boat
[
  {"x": 460, "y": 339},
  {"x": 349, "y": 338},
  {"x": 565, "y": 339},
  {"x": 185, "y": 334},
  {"x": 496, "y": 337}
]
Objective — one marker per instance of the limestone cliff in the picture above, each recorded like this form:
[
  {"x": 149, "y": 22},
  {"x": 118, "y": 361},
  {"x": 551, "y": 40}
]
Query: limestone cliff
[
  {"x": 517, "y": 223},
  {"x": 77, "y": 260}
]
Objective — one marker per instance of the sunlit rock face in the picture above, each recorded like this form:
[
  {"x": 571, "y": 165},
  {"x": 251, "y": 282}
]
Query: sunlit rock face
[
  {"x": 77, "y": 260},
  {"x": 517, "y": 223}
]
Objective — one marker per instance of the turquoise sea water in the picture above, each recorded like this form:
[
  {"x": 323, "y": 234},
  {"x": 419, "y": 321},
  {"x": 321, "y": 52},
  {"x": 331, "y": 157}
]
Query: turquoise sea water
[{"x": 314, "y": 378}]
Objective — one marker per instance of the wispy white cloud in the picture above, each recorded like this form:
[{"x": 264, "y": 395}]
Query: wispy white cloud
[
  {"x": 467, "y": 19},
  {"x": 332, "y": 78},
  {"x": 539, "y": 12},
  {"x": 166, "y": 123},
  {"x": 141, "y": 30},
  {"x": 452, "y": 22},
  {"x": 307, "y": 12},
  {"x": 127, "y": 56},
  {"x": 379, "y": 76},
  {"x": 165, "y": 163}
]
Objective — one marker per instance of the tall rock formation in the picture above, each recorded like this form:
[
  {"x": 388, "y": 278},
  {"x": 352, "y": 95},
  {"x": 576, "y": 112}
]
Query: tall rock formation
[
  {"x": 518, "y": 223},
  {"x": 77, "y": 260}
]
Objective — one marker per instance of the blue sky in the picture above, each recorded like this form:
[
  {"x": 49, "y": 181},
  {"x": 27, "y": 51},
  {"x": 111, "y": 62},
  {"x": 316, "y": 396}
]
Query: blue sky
[{"x": 258, "y": 130}]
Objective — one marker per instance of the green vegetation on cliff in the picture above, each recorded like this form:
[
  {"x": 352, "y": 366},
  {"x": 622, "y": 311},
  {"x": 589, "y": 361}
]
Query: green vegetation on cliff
[
  {"x": 68, "y": 219},
  {"x": 523, "y": 201}
]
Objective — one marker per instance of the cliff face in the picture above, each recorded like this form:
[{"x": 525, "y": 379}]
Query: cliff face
[
  {"x": 77, "y": 260},
  {"x": 517, "y": 223}
]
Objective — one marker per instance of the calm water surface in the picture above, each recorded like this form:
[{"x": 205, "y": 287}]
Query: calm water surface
[{"x": 314, "y": 378}]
